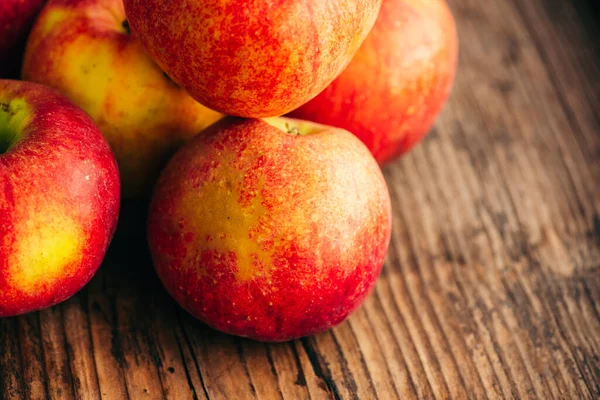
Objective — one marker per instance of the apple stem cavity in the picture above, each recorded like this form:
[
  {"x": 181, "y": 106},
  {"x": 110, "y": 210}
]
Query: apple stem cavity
[
  {"x": 125, "y": 25},
  {"x": 13, "y": 117},
  {"x": 291, "y": 127}
]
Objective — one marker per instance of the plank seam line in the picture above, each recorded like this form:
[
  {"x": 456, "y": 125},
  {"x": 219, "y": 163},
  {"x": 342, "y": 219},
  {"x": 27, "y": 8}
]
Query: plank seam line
[
  {"x": 378, "y": 344},
  {"x": 91, "y": 339},
  {"x": 315, "y": 362},
  {"x": 185, "y": 367},
  {"x": 273, "y": 369},
  {"x": 191, "y": 350},
  {"x": 430, "y": 261},
  {"x": 67, "y": 350}
]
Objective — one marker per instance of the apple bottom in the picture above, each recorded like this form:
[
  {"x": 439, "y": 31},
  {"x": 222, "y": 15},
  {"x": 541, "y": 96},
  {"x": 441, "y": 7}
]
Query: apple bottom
[
  {"x": 285, "y": 304},
  {"x": 16, "y": 301},
  {"x": 53, "y": 230},
  {"x": 52, "y": 241}
]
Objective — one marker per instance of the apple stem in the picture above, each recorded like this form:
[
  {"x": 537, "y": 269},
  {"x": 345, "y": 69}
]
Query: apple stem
[
  {"x": 293, "y": 130},
  {"x": 6, "y": 134}
]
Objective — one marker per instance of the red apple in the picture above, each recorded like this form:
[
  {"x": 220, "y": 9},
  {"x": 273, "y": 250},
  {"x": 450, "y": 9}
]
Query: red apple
[
  {"x": 270, "y": 230},
  {"x": 59, "y": 198},
  {"x": 252, "y": 58},
  {"x": 396, "y": 85},
  {"x": 16, "y": 18},
  {"x": 83, "y": 48}
]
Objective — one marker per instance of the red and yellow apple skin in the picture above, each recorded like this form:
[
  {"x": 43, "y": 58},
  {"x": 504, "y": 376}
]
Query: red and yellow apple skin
[
  {"x": 16, "y": 19},
  {"x": 396, "y": 85},
  {"x": 83, "y": 48},
  {"x": 59, "y": 198},
  {"x": 267, "y": 234},
  {"x": 252, "y": 58}
]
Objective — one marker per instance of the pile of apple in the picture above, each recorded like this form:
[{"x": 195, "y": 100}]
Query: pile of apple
[{"x": 261, "y": 226}]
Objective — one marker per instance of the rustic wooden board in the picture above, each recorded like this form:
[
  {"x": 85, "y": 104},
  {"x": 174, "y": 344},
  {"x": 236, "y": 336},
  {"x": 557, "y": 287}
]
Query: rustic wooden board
[{"x": 492, "y": 284}]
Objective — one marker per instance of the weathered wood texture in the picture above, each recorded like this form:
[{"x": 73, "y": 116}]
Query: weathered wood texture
[{"x": 492, "y": 284}]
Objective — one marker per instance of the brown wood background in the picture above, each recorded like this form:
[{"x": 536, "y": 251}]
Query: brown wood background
[{"x": 492, "y": 284}]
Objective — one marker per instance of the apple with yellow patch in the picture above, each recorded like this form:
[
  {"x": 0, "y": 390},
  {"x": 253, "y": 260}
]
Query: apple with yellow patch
[
  {"x": 270, "y": 229},
  {"x": 59, "y": 198},
  {"x": 252, "y": 58},
  {"x": 84, "y": 49},
  {"x": 398, "y": 82}
]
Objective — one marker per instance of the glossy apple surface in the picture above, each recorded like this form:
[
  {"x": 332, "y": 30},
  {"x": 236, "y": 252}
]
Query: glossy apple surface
[
  {"x": 271, "y": 231},
  {"x": 252, "y": 58},
  {"x": 59, "y": 198},
  {"x": 16, "y": 18},
  {"x": 396, "y": 85},
  {"x": 84, "y": 49}
]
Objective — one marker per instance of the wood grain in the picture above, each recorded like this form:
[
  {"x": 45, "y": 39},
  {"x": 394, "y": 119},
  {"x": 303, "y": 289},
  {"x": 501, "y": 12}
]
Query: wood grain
[{"x": 491, "y": 288}]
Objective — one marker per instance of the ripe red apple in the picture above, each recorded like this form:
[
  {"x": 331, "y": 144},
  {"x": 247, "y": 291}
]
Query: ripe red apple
[
  {"x": 16, "y": 18},
  {"x": 83, "y": 48},
  {"x": 270, "y": 230},
  {"x": 396, "y": 85},
  {"x": 59, "y": 198},
  {"x": 252, "y": 58}
]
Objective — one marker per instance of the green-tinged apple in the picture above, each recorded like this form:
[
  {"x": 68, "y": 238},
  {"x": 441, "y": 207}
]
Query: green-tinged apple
[
  {"x": 84, "y": 49},
  {"x": 59, "y": 197},
  {"x": 252, "y": 58},
  {"x": 16, "y": 18},
  {"x": 396, "y": 85},
  {"x": 270, "y": 229}
]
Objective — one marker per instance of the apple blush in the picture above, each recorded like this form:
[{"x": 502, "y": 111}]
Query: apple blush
[
  {"x": 270, "y": 229},
  {"x": 59, "y": 198}
]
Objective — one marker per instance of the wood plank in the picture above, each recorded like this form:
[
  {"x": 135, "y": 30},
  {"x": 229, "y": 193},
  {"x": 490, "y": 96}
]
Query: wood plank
[
  {"x": 220, "y": 361},
  {"x": 31, "y": 350},
  {"x": 261, "y": 370},
  {"x": 11, "y": 376},
  {"x": 80, "y": 349},
  {"x": 173, "y": 368},
  {"x": 58, "y": 370},
  {"x": 498, "y": 112},
  {"x": 294, "y": 381},
  {"x": 103, "y": 331},
  {"x": 136, "y": 293}
]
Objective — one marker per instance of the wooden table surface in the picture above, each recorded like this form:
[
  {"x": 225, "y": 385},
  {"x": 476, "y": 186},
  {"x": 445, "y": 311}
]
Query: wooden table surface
[{"x": 492, "y": 284}]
